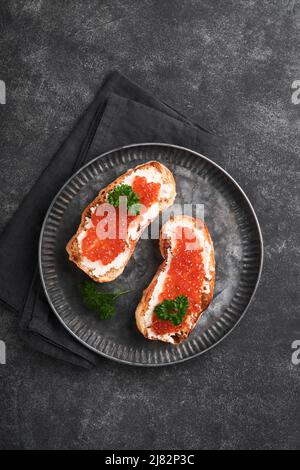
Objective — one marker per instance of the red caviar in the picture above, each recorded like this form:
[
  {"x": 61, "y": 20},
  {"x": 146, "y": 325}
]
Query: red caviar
[
  {"x": 147, "y": 192},
  {"x": 107, "y": 249},
  {"x": 185, "y": 274}
]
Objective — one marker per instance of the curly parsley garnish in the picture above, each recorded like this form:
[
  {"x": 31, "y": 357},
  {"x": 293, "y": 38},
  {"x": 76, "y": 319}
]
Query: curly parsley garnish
[
  {"x": 173, "y": 310},
  {"x": 101, "y": 302},
  {"x": 133, "y": 200}
]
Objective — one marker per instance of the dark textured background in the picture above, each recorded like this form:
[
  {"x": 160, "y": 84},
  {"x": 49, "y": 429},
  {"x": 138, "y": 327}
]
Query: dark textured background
[{"x": 229, "y": 64}]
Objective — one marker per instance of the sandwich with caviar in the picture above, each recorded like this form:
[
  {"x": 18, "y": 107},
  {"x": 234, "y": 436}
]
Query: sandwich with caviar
[
  {"x": 183, "y": 286},
  {"x": 109, "y": 228}
]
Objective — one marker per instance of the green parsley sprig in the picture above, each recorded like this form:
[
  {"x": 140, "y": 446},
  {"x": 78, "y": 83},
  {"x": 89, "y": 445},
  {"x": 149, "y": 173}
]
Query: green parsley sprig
[
  {"x": 173, "y": 310},
  {"x": 103, "y": 303},
  {"x": 132, "y": 198}
]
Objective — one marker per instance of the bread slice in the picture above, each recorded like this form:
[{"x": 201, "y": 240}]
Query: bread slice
[
  {"x": 145, "y": 310},
  {"x": 153, "y": 171}
]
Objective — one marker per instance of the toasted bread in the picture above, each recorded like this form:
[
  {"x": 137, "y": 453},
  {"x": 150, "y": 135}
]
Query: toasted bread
[
  {"x": 145, "y": 310},
  {"x": 153, "y": 171}
]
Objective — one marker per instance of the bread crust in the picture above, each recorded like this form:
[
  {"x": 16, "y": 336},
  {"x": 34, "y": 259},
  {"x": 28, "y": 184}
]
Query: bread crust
[
  {"x": 72, "y": 247},
  {"x": 206, "y": 297}
]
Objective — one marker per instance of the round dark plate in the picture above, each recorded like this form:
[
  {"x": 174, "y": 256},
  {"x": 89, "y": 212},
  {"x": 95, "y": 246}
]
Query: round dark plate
[{"x": 233, "y": 227}]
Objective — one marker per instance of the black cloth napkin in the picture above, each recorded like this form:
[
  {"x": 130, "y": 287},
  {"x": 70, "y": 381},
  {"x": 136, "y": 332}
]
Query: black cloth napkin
[{"x": 122, "y": 113}]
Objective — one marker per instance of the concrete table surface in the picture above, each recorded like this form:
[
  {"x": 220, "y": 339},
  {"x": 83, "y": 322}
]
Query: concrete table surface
[{"x": 231, "y": 66}]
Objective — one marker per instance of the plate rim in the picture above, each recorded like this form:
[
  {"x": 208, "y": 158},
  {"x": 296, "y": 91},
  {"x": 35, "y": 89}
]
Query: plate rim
[{"x": 144, "y": 144}]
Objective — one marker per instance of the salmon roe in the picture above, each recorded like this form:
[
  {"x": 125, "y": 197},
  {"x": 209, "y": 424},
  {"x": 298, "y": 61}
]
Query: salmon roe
[
  {"x": 147, "y": 192},
  {"x": 107, "y": 249},
  {"x": 185, "y": 274}
]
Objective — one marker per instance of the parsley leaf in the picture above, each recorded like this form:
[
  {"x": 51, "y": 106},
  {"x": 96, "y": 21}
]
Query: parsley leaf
[
  {"x": 101, "y": 302},
  {"x": 173, "y": 310},
  {"x": 132, "y": 198}
]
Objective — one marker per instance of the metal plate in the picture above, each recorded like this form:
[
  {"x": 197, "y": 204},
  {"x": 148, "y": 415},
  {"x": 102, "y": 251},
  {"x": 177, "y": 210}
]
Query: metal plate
[{"x": 232, "y": 224}]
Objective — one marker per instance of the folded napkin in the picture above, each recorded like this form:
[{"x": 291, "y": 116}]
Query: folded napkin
[{"x": 121, "y": 114}]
